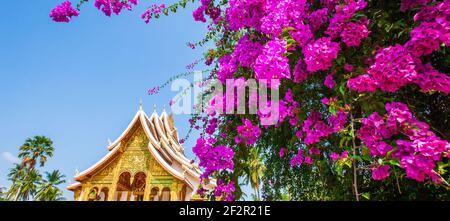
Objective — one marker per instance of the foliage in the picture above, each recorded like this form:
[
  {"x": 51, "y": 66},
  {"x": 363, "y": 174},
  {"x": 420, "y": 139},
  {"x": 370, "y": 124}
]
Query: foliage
[
  {"x": 48, "y": 189},
  {"x": 364, "y": 97},
  {"x": 26, "y": 180}
]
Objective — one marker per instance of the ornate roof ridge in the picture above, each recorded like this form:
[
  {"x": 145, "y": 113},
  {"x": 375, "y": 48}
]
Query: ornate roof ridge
[{"x": 164, "y": 151}]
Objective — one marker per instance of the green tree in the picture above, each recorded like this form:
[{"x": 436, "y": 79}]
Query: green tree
[
  {"x": 25, "y": 176},
  {"x": 2, "y": 194},
  {"x": 24, "y": 185},
  {"x": 48, "y": 189},
  {"x": 254, "y": 171},
  {"x": 36, "y": 148}
]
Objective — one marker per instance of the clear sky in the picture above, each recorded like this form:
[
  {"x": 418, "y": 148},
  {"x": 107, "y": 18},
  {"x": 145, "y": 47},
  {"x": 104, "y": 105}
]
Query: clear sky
[{"x": 80, "y": 83}]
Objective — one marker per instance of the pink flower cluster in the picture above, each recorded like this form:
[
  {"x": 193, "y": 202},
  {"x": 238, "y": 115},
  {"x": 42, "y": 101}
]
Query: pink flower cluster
[
  {"x": 307, "y": 158},
  {"x": 431, "y": 79},
  {"x": 418, "y": 153},
  {"x": 343, "y": 14},
  {"x": 407, "y": 4},
  {"x": 245, "y": 13},
  {"x": 300, "y": 73},
  {"x": 315, "y": 128},
  {"x": 213, "y": 158},
  {"x": 271, "y": 63},
  {"x": 207, "y": 8},
  {"x": 152, "y": 11},
  {"x": 116, "y": 6},
  {"x": 399, "y": 65},
  {"x": 227, "y": 68},
  {"x": 63, "y": 12},
  {"x": 320, "y": 54},
  {"x": 433, "y": 30},
  {"x": 354, "y": 32},
  {"x": 246, "y": 51},
  {"x": 289, "y": 108},
  {"x": 244, "y": 54},
  {"x": 281, "y": 14},
  {"x": 336, "y": 156},
  {"x": 380, "y": 172},
  {"x": 154, "y": 90},
  {"x": 302, "y": 34},
  {"x": 225, "y": 190},
  {"x": 329, "y": 81},
  {"x": 394, "y": 67},
  {"x": 211, "y": 126},
  {"x": 247, "y": 133},
  {"x": 298, "y": 159},
  {"x": 318, "y": 18},
  {"x": 283, "y": 151}
]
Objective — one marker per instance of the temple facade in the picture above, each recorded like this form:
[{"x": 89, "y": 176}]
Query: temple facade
[{"x": 146, "y": 163}]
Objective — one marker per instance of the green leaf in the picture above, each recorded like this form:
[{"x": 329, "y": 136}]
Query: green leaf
[
  {"x": 165, "y": 11},
  {"x": 357, "y": 157},
  {"x": 366, "y": 196},
  {"x": 332, "y": 109},
  {"x": 344, "y": 141},
  {"x": 348, "y": 163},
  {"x": 342, "y": 89},
  {"x": 174, "y": 8},
  {"x": 441, "y": 168},
  {"x": 394, "y": 162}
]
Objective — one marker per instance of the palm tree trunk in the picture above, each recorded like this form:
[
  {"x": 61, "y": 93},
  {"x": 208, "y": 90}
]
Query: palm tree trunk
[
  {"x": 259, "y": 196},
  {"x": 18, "y": 192},
  {"x": 21, "y": 184}
]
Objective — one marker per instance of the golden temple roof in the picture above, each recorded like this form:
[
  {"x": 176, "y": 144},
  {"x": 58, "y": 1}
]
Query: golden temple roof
[{"x": 163, "y": 146}]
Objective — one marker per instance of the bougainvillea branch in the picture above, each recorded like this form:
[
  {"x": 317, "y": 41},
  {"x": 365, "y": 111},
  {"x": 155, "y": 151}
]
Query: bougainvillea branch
[{"x": 363, "y": 84}]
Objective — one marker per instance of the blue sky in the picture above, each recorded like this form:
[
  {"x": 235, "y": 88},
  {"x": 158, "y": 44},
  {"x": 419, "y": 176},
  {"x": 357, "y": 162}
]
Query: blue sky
[{"x": 80, "y": 83}]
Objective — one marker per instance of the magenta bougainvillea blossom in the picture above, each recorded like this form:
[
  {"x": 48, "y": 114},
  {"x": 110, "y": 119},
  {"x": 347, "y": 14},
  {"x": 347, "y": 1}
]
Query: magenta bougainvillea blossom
[
  {"x": 213, "y": 158},
  {"x": 407, "y": 4},
  {"x": 311, "y": 46},
  {"x": 329, "y": 81},
  {"x": 114, "y": 6},
  {"x": 380, "y": 172},
  {"x": 298, "y": 159},
  {"x": 318, "y": 18},
  {"x": 247, "y": 133},
  {"x": 320, "y": 54},
  {"x": 283, "y": 151},
  {"x": 153, "y": 10},
  {"x": 63, "y": 12},
  {"x": 271, "y": 64},
  {"x": 354, "y": 32},
  {"x": 417, "y": 152}
]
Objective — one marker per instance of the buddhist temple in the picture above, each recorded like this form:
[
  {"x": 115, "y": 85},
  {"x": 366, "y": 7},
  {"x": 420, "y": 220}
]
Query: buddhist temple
[{"x": 145, "y": 163}]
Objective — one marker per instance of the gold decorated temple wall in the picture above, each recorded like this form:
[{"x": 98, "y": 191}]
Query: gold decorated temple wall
[{"x": 132, "y": 175}]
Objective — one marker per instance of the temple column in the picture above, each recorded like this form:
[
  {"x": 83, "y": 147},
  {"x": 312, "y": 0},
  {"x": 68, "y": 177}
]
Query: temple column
[
  {"x": 174, "y": 191},
  {"x": 148, "y": 186},
  {"x": 86, "y": 190}
]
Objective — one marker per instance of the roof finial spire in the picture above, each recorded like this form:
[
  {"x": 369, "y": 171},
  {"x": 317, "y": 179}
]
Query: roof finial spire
[
  {"x": 154, "y": 108},
  {"x": 164, "y": 107},
  {"x": 109, "y": 141},
  {"x": 140, "y": 104}
]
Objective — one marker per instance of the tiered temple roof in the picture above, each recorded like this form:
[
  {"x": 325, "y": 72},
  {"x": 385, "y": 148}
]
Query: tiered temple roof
[{"x": 163, "y": 146}]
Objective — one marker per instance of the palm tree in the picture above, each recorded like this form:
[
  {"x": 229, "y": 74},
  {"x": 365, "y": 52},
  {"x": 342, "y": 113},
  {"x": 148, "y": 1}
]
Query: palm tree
[
  {"x": 254, "y": 171},
  {"x": 2, "y": 194},
  {"x": 16, "y": 173},
  {"x": 48, "y": 190},
  {"x": 36, "y": 148},
  {"x": 24, "y": 183}
]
